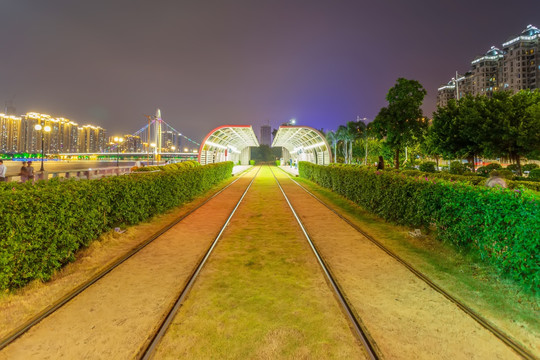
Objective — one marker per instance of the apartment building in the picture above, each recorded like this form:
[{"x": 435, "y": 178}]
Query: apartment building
[{"x": 515, "y": 67}]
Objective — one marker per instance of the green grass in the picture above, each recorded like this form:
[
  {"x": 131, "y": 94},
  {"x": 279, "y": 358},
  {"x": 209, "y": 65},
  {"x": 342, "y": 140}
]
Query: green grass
[
  {"x": 467, "y": 278},
  {"x": 261, "y": 295}
]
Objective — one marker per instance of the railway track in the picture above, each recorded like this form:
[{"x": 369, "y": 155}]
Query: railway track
[
  {"x": 21, "y": 330},
  {"x": 360, "y": 329},
  {"x": 151, "y": 346}
]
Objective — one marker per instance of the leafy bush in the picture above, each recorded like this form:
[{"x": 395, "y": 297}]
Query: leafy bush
[
  {"x": 44, "y": 225},
  {"x": 469, "y": 166},
  {"x": 251, "y": 162},
  {"x": 534, "y": 174},
  {"x": 501, "y": 225},
  {"x": 486, "y": 170},
  {"x": 428, "y": 166},
  {"x": 512, "y": 167},
  {"x": 278, "y": 162},
  {"x": 532, "y": 185},
  {"x": 503, "y": 173},
  {"x": 529, "y": 167},
  {"x": 457, "y": 168}
]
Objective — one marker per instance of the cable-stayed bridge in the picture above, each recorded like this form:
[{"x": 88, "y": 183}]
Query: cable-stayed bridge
[{"x": 155, "y": 140}]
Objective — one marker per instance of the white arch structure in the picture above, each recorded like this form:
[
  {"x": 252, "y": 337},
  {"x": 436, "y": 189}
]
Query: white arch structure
[
  {"x": 228, "y": 143},
  {"x": 303, "y": 143}
]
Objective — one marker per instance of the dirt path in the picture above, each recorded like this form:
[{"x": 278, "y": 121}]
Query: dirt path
[
  {"x": 407, "y": 319},
  {"x": 114, "y": 317},
  {"x": 262, "y": 294}
]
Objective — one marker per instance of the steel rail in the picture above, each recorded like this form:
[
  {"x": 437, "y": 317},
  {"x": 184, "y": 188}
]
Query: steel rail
[
  {"x": 513, "y": 344},
  {"x": 19, "y": 331},
  {"x": 359, "y": 328},
  {"x": 149, "y": 350}
]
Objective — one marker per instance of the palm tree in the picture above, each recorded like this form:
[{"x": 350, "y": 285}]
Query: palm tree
[
  {"x": 343, "y": 135},
  {"x": 331, "y": 136}
]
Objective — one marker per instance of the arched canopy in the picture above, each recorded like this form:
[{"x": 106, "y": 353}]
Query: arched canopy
[
  {"x": 228, "y": 143},
  {"x": 303, "y": 143}
]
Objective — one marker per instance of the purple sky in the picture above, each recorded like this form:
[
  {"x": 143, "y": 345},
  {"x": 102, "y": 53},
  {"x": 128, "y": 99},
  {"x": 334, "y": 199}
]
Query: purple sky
[{"x": 208, "y": 63}]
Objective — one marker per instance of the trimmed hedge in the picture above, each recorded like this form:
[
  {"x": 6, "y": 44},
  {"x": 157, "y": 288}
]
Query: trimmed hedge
[
  {"x": 501, "y": 225},
  {"x": 44, "y": 225}
]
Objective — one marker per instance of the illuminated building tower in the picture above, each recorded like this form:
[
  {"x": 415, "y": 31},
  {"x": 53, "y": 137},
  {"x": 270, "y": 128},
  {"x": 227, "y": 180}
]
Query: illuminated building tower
[
  {"x": 486, "y": 72},
  {"x": 132, "y": 143},
  {"x": 91, "y": 139},
  {"x": 515, "y": 67},
  {"x": 266, "y": 135},
  {"x": 521, "y": 68},
  {"x": 10, "y": 133}
]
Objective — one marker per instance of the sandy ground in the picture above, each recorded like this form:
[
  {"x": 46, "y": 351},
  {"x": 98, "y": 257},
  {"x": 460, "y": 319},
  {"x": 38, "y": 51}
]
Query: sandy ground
[
  {"x": 96, "y": 325},
  {"x": 407, "y": 319}
]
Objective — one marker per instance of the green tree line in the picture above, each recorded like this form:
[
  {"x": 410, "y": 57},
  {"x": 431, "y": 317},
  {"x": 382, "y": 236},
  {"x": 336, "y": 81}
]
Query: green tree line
[{"x": 504, "y": 125}]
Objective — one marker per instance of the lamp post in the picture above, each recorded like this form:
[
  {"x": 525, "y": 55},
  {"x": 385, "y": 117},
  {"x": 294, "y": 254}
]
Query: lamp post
[
  {"x": 118, "y": 141},
  {"x": 153, "y": 145},
  {"x": 43, "y": 129}
]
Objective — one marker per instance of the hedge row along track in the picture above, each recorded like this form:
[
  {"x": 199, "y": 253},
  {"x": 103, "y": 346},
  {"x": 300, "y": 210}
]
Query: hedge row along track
[
  {"x": 222, "y": 199},
  {"x": 351, "y": 310}
]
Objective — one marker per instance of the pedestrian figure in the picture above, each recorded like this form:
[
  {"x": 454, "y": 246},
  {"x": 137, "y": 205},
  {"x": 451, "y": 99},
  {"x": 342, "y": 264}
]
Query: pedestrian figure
[
  {"x": 30, "y": 171},
  {"x": 24, "y": 172},
  {"x": 380, "y": 164},
  {"x": 2, "y": 171}
]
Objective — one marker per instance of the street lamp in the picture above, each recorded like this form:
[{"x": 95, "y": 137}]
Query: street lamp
[
  {"x": 118, "y": 141},
  {"x": 46, "y": 128},
  {"x": 186, "y": 150},
  {"x": 153, "y": 145}
]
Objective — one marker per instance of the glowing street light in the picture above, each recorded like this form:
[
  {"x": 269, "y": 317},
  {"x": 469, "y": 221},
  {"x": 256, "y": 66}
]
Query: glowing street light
[
  {"x": 186, "y": 150},
  {"x": 118, "y": 141},
  {"x": 44, "y": 129}
]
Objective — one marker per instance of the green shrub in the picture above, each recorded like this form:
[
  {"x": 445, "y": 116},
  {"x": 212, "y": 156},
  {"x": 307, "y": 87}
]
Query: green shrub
[
  {"x": 278, "y": 162},
  {"x": 428, "y": 166},
  {"x": 469, "y": 166},
  {"x": 251, "y": 162},
  {"x": 486, "y": 170},
  {"x": 529, "y": 167},
  {"x": 43, "y": 225},
  {"x": 457, "y": 168},
  {"x": 503, "y": 173},
  {"x": 501, "y": 225},
  {"x": 534, "y": 174},
  {"x": 512, "y": 167},
  {"x": 521, "y": 184}
]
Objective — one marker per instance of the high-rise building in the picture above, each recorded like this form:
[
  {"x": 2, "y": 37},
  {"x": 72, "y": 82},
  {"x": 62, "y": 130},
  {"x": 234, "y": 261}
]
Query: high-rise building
[
  {"x": 521, "y": 68},
  {"x": 515, "y": 67},
  {"x": 132, "y": 144},
  {"x": 92, "y": 139},
  {"x": 266, "y": 135}
]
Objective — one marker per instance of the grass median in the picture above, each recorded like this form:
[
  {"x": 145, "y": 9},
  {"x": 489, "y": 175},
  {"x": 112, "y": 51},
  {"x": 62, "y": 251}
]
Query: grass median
[{"x": 262, "y": 294}]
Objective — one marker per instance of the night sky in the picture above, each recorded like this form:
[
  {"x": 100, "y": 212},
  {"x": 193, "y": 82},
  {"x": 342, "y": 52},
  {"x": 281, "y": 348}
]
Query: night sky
[{"x": 208, "y": 63}]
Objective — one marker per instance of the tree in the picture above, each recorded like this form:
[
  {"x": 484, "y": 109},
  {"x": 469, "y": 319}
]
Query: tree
[
  {"x": 513, "y": 122},
  {"x": 459, "y": 129},
  {"x": 356, "y": 131},
  {"x": 343, "y": 136},
  {"x": 401, "y": 123},
  {"x": 332, "y": 138}
]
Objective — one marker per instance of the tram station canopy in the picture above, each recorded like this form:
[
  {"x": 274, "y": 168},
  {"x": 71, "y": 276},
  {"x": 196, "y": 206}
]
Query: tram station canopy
[
  {"x": 303, "y": 143},
  {"x": 228, "y": 143}
]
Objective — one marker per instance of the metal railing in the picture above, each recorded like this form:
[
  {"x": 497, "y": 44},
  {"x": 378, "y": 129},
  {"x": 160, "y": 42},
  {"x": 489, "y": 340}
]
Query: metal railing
[{"x": 79, "y": 174}]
